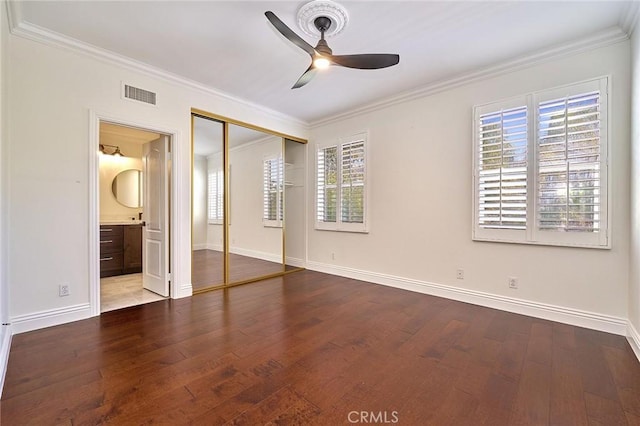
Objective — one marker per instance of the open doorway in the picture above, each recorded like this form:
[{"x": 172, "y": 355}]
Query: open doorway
[{"x": 133, "y": 215}]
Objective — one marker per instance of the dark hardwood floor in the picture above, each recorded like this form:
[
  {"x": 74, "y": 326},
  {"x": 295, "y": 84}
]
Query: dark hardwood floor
[
  {"x": 310, "y": 348},
  {"x": 207, "y": 268}
]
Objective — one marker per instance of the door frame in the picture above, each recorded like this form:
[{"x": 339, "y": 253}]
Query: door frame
[{"x": 94, "y": 200}]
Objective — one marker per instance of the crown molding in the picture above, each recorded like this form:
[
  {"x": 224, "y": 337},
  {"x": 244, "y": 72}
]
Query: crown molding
[
  {"x": 629, "y": 18},
  {"x": 604, "y": 38},
  {"x": 21, "y": 28}
]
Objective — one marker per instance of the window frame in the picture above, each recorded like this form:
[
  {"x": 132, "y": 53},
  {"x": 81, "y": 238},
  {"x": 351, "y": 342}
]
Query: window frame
[
  {"x": 339, "y": 225},
  {"x": 218, "y": 217},
  {"x": 533, "y": 235},
  {"x": 279, "y": 192}
]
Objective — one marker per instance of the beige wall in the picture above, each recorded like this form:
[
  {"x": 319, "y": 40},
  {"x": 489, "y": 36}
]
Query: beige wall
[
  {"x": 48, "y": 152},
  {"x": 634, "y": 261},
  {"x": 110, "y": 166},
  {"x": 420, "y": 176},
  {"x": 247, "y": 233}
]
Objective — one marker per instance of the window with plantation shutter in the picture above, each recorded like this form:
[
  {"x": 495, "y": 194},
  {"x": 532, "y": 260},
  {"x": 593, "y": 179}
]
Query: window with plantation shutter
[
  {"x": 341, "y": 185},
  {"x": 502, "y": 165},
  {"x": 273, "y": 185},
  {"x": 352, "y": 182},
  {"x": 215, "y": 194},
  {"x": 541, "y": 168}
]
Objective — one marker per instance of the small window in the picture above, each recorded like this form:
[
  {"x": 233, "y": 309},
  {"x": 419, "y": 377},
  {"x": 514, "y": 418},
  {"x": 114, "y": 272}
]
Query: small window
[
  {"x": 215, "y": 192},
  {"x": 341, "y": 185},
  {"x": 273, "y": 196},
  {"x": 541, "y": 169}
]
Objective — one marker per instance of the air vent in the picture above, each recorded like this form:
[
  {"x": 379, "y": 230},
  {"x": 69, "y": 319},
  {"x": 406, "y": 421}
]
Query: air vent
[{"x": 141, "y": 95}]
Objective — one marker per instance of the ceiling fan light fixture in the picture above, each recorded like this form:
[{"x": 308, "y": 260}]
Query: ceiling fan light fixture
[{"x": 321, "y": 62}]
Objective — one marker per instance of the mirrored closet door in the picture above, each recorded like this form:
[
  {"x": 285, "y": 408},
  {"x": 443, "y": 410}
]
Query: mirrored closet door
[
  {"x": 207, "y": 203},
  {"x": 247, "y": 202}
]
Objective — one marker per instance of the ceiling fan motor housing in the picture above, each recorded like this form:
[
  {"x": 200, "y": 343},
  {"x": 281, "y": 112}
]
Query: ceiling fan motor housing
[{"x": 322, "y": 23}]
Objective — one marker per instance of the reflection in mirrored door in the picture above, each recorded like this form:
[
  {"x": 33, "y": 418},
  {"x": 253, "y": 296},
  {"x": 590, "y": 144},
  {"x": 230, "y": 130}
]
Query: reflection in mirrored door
[
  {"x": 256, "y": 167},
  {"x": 248, "y": 185},
  {"x": 207, "y": 203},
  {"x": 294, "y": 203}
]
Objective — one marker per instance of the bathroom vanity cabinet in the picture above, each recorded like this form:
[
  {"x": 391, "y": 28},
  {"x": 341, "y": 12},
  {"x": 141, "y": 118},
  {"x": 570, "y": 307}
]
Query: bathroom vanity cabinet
[{"x": 120, "y": 249}]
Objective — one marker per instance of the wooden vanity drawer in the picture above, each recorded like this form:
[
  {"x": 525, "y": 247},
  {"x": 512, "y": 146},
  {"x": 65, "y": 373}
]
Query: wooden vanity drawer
[
  {"x": 110, "y": 244},
  {"x": 110, "y": 264},
  {"x": 120, "y": 249},
  {"x": 108, "y": 231}
]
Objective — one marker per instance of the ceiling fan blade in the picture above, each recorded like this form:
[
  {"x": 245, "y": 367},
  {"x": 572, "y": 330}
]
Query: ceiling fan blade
[
  {"x": 306, "y": 77},
  {"x": 289, "y": 34},
  {"x": 370, "y": 61}
]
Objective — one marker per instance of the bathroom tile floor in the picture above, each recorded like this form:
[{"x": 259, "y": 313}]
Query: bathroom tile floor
[{"x": 123, "y": 291}]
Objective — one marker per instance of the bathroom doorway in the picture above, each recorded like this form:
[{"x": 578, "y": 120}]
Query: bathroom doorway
[{"x": 134, "y": 192}]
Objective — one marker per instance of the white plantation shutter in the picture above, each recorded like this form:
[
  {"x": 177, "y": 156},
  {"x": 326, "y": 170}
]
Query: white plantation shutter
[
  {"x": 352, "y": 182},
  {"x": 327, "y": 188},
  {"x": 341, "y": 185},
  {"x": 541, "y": 168},
  {"x": 572, "y": 167},
  {"x": 502, "y": 166},
  {"x": 215, "y": 194},
  {"x": 273, "y": 175},
  {"x": 569, "y": 164}
]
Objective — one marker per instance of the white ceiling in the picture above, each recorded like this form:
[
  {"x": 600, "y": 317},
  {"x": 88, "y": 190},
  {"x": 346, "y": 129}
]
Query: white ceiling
[{"x": 231, "y": 47}]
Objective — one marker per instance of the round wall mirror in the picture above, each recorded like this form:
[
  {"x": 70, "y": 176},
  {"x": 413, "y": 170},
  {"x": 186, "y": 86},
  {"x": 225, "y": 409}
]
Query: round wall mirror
[{"x": 127, "y": 188}]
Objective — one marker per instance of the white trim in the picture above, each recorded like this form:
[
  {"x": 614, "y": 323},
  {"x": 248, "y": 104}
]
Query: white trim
[
  {"x": 531, "y": 104},
  {"x": 634, "y": 339},
  {"x": 214, "y": 246},
  {"x": 203, "y": 246},
  {"x": 24, "y": 29},
  {"x": 270, "y": 257},
  {"x": 50, "y": 317},
  {"x": 294, "y": 261},
  {"x": 580, "y": 318},
  {"x": 176, "y": 290},
  {"x": 339, "y": 225},
  {"x": 604, "y": 38},
  {"x": 5, "y": 347},
  {"x": 629, "y": 18}
]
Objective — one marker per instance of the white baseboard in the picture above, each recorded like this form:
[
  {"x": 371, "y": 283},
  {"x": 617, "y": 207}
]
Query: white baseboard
[
  {"x": 202, "y": 246},
  {"x": 51, "y": 317},
  {"x": 294, "y": 261},
  {"x": 634, "y": 339},
  {"x": 270, "y": 257},
  {"x": 185, "y": 290},
  {"x": 592, "y": 320},
  {"x": 5, "y": 347}
]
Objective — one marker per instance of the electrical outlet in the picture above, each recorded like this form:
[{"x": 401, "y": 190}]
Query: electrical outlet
[
  {"x": 63, "y": 290},
  {"x": 460, "y": 274},
  {"x": 513, "y": 282}
]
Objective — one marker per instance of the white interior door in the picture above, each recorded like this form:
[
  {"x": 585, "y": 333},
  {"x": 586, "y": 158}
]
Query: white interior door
[{"x": 155, "y": 253}]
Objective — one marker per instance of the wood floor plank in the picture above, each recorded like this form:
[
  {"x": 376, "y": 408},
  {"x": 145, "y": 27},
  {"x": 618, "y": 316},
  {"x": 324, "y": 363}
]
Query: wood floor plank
[
  {"x": 567, "y": 394},
  {"x": 622, "y": 365},
  {"x": 603, "y": 411},
  {"x": 311, "y": 348},
  {"x": 531, "y": 406}
]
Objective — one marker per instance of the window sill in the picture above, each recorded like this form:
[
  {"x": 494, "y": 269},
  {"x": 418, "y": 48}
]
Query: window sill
[{"x": 543, "y": 243}]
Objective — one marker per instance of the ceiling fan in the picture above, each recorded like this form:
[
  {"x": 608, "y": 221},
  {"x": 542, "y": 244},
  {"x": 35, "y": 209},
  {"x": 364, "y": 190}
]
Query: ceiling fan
[{"x": 322, "y": 56}]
